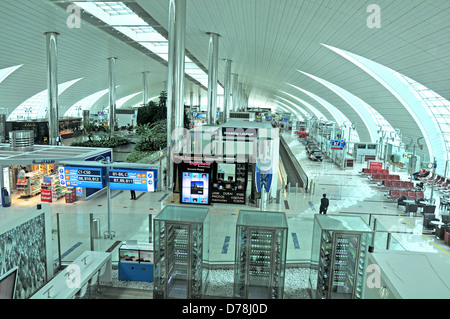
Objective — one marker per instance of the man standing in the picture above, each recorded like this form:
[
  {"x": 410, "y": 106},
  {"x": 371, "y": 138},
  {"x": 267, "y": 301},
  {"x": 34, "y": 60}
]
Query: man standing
[{"x": 324, "y": 202}]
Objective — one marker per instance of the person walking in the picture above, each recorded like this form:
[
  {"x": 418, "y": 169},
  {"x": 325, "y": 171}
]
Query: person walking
[
  {"x": 324, "y": 202},
  {"x": 133, "y": 194}
]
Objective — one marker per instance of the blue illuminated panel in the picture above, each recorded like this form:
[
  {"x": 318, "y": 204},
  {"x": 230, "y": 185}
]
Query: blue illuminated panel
[
  {"x": 132, "y": 180},
  {"x": 337, "y": 144},
  {"x": 80, "y": 177}
]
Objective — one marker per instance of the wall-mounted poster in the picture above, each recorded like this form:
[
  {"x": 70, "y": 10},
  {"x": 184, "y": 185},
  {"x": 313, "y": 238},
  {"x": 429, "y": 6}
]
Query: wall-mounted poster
[{"x": 195, "y": 188}]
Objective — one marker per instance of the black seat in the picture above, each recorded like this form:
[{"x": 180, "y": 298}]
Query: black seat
[
  {"x": 439, "y": 232},
  {"x": 411, "y": 208},
  {"x": 427, "y": 218},
  {"x": 400, "y": 201},
  {"x": 429, "y": 209},
  {"x": 443, "y": 203},
  {"x": 446, "y": 219},
  {"x": 418, "y": 201}
]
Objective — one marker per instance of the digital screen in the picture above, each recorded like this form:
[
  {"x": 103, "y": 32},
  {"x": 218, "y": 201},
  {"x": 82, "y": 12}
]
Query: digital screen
[
  {"x": 80, "y": 177},
  {"x": 337, "y": 144},
  {"x": 201, "y": 115},
  {"x": 132, "y": 180},
  {"x": 195, "y": 188}
]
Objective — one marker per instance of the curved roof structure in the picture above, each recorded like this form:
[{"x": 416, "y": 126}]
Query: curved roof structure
[{"x": 383, "y": 66}]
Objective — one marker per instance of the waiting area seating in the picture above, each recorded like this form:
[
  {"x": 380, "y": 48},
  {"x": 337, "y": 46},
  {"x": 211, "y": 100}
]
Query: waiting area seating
[
  {"x": 397, "y": 184},
  {"x": 370, "y": 171},
  {"x": 411, "y": 195}
]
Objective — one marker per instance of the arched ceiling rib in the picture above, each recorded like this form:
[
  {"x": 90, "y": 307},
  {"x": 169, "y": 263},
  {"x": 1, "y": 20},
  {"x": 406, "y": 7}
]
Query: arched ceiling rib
[
  {"x": 361, "y": 109},
  {"x": 412, "y": 107}
]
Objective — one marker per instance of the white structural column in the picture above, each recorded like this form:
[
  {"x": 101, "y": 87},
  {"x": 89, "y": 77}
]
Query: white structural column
[
  {"x": 235, "y": 93},
  {"x": 145, "y": 87},
  {"x": 227, "y": 90},
  {"x": 52, "y": 87},
  {"x": 241, "y": 97},
  {"x": 112, "y": 92},
  {"x": 213, "y": 64},
  {"x": 175, "y": 80}
]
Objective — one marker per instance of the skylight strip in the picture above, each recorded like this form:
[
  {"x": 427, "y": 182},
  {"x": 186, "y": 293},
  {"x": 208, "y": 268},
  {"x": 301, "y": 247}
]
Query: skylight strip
[{"x": 134, "y": 27}]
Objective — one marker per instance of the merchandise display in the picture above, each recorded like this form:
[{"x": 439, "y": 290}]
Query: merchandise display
[
  {"x": 261, "y": 239},
  {"x": 30, "y": 185},
  {"x": 339, "y": 256},
  {"x": 51, "y": 189},
  {"x": 178, "y": 246},
  {"x": 136, "y": 262}
]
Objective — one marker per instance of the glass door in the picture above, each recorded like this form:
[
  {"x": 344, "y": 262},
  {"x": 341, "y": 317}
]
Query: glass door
[
  {"x": 259, "y": 264},
  {"x": 345, "y": 263},
  {"x": 177, "y": 260}
]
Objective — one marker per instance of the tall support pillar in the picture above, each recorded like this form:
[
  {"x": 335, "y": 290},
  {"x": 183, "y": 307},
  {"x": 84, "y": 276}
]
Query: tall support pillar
[
  {"x": 213, "y": 64},
  {"x": 52, "y": 87},
  {"x": 112, "y": 92},
  {"x": 227, "y": 90},
  {"x": 175, "y": 80},
  {"x": 145, "y": 87},
  {"x": 241, "y": 99},
  {"x": 235, "y": 92},
  {"x": 245, "y": 100}
]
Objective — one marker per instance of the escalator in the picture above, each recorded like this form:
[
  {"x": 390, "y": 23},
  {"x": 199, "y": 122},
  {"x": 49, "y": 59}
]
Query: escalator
[{"x": 293, "y": 177}]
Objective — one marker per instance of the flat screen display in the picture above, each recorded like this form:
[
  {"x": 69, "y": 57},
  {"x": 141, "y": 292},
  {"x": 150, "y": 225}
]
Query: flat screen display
[
  {"x": 337, "y": 144},
  {"x": 195, "y": 188},
  {"x": 80, "y": 177},
  {"x": 8, "y": 284},
  {"x": 137, "y": 180}
]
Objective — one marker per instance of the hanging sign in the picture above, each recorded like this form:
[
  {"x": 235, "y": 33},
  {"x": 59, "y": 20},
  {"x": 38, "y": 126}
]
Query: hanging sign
[{"x": 137, "y": 180}]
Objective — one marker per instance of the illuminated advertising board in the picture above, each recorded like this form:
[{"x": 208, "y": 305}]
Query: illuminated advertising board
[
  {"x": 137, "y": 180},
  {"x": 80, "y": 177},
  {"x": 195, "y": 188},
  {"x": 337, "y": 144}
]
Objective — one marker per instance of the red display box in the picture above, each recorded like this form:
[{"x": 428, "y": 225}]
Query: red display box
[
  {"x": 46, "y": 196},
  {"x": 71, "y": 196}
]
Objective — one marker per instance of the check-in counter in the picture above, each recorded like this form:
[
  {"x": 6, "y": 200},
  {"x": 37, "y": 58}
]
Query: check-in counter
[{"x": 88, "y": 268}]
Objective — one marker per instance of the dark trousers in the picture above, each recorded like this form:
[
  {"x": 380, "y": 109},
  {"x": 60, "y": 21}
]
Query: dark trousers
[
  {"x": 323, "y": 210},
  {"x": 133, "y": 194}
]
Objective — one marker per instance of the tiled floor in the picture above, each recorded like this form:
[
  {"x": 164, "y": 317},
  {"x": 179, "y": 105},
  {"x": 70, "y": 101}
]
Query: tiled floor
[{"x": 348, "y": 191}]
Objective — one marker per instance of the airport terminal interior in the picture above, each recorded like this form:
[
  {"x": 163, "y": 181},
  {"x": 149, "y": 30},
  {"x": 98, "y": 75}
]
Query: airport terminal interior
[{"x": 232, "y": 149}]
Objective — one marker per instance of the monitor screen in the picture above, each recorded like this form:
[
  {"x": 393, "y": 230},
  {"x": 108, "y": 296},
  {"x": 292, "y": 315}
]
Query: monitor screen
[
  {"x": 8, "y": 284},
  {"x": 195, "y": 188},
  {"x": 337, "y": 144}
]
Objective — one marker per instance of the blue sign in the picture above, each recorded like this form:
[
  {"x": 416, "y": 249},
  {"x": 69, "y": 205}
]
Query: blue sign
[
  {"x": 137, "y": 180},
  {"x": 80, "y": 177},
  {"x": 263, "y": 179},
  {"x": 337, "y": 144}
]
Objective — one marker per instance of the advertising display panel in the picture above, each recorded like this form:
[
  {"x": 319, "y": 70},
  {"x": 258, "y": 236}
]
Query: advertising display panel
[
  {"x": 80, "y": 177},
  {"x": 137, "y": 180}
]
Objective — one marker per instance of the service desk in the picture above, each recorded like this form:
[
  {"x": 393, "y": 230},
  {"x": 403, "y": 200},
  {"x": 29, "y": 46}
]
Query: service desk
[{"x": 69, "y": 281}]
